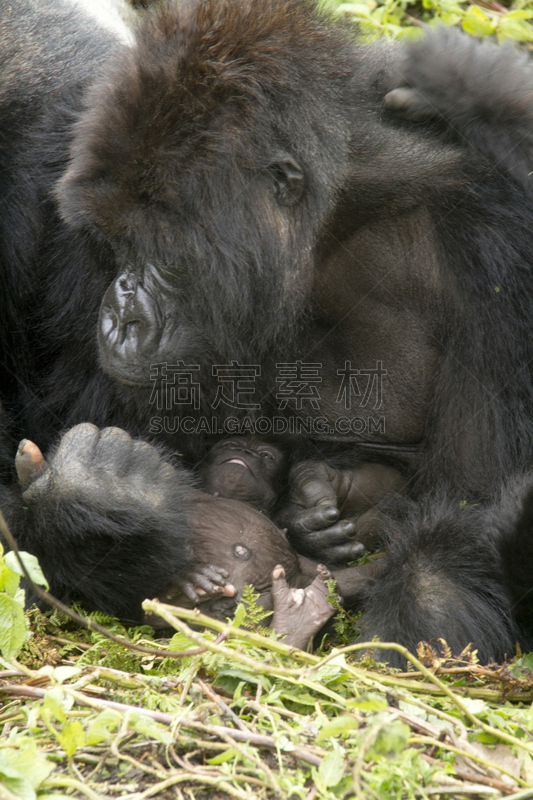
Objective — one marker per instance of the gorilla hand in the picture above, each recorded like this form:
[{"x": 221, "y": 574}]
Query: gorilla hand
[
  {"x": 300, "y": 613},
  {"x": 331, "y": 514},
  {"x": 123, "y": 513}
]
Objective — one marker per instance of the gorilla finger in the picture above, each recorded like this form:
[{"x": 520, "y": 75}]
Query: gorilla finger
[
  {"x": 213, "y": 573},
  {"x": 280, "y": 587},
  {"x": 113, "y": 450},
  {"x": 331, "y": 537},
  {"x": 29, "y": 463},
  {"x": 322, "y": 579},
  {"x": 342, "y": 554},
  {"x": 323, "y": 573},
  {"x": 77, "y": 443},
  {"x": 150, "y": 458},
  {"x": 369, "y": 528},
  {"x": 409, "y": 104},
  {"x": 320, "y": 582},
  {"x": 314, "y": 519},
  {"x": 297, "y": 597},
  {"x": 189, "y": 591},
  {"x": 312, "y": 486}
]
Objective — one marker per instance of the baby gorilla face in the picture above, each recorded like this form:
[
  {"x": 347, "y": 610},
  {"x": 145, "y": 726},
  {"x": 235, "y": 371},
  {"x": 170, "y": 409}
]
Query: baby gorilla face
[{"x": 244, "y": 468}]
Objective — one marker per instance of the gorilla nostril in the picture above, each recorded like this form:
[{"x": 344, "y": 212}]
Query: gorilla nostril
[{"x": 127, "y": 285}]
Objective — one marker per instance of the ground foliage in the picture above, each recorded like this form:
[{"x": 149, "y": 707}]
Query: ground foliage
[{"x": 240, "y": 715}]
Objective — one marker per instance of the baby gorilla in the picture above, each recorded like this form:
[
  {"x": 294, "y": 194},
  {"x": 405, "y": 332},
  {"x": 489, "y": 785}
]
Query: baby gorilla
[
  {"x": 244, "y": 543},
  {"x": 242, "y": 477},
  {"x": 245, "y": 468},
  {"x": 249, "y": 544}
]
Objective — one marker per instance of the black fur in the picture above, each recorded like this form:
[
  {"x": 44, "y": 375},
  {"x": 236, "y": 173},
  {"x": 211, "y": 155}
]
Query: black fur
[{"x": 444, "y": 577}]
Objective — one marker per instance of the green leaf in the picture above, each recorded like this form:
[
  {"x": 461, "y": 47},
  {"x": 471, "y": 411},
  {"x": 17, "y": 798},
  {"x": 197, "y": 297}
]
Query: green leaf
[
  {"x": 240, "y": 615},
  {"x": 519, "y": 14},
  {"x": 450, "y": 18},
  {"x": 32, "y": 565},
  {"x": 9, "y": 580},
  {"x": 180, "y": 642},
  {"x": 357, "y": 9},
  {"x": 526, "y": 661},
  {"x": 15, "y": 783},
  {"x": 334, "y": 669},
  {"x": 151, "y": 728},
  {"x": 369, "y": 702},
  {"x": 56, "y": 703},
  {"x": 227, "y": 755},
  {"x": 337, "y": 726},
  {"x": 516, "y": 29},
  {"x": 101, "y": 728},
  {"x": 391, "y": 739},
  {"x": 476, "y": 22},
  {"x": 331, "y": 769},
  {"x": 71, "y": 737},
  {"x": 410, "y": 33},
  {"x": 22, "y": 771},
  {"x": 486, "y": 738},
  {"x": 13, "y": 627},
  {"x": 303, "y": 698},
  {"x": 61, "y": 674}
]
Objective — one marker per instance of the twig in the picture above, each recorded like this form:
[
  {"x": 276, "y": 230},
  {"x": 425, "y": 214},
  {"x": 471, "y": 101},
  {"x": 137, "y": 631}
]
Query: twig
[
  {"x": 70, "y": 783},
  {"x": 467, "y": 754},
  {"x": 213, "y": 696},
  {"x": 262, "y": 740},
  {"x": 467, "y": 776}
]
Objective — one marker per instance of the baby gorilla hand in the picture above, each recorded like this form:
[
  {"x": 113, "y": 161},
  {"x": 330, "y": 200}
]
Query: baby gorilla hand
[
  {"x": 331, "y": 514},
  {"x": 199, "y": 584},
  {"x": 300, "y": 613}
]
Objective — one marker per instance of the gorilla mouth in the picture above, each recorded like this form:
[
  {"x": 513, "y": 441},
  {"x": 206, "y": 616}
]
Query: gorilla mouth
[{"x": 238, "y": 461}]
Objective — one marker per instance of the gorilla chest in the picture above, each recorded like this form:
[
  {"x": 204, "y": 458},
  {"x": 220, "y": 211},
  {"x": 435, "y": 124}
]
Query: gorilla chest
[{"x": 377, "y": 332}]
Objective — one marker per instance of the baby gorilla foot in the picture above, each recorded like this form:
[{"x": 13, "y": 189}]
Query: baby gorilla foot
[{"x": 300, "y": 613}]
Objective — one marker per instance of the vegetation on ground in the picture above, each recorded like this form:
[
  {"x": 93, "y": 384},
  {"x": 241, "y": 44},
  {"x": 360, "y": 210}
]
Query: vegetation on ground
[{"x": 234, "y": 713}]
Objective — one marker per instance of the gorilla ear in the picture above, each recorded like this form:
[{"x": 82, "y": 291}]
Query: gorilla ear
[{"x": 288, "y": 179}]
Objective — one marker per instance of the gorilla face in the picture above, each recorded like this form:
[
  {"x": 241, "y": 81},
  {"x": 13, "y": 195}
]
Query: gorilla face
[
  {"x": 244, "y": 468},
  {"x": 207, "y": 185},
  {"x": 237, "y": 163},
  {"x": 161, "y": 305}
]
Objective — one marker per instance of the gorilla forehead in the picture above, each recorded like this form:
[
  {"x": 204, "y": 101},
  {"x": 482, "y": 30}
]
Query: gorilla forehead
[{"x": 208, "y": 85}]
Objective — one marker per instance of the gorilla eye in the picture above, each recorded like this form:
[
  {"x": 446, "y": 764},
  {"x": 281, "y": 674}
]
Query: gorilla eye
[
  {"x": 241, "y": 551},
  {"x": 231, "y": 445},
  {"x": 265, "y": 454}
]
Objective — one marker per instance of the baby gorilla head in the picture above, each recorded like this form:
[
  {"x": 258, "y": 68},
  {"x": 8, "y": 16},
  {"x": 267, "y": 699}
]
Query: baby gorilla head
[
  {"x": 246, "y": 543},
  {"x": 245, "y": 468}
]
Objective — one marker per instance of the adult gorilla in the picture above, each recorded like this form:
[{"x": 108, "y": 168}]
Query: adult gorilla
[{"x": 235, "y": 189}]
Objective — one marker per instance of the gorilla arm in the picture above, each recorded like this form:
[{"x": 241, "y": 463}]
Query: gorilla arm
[{"x": 122, "y": 509}]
